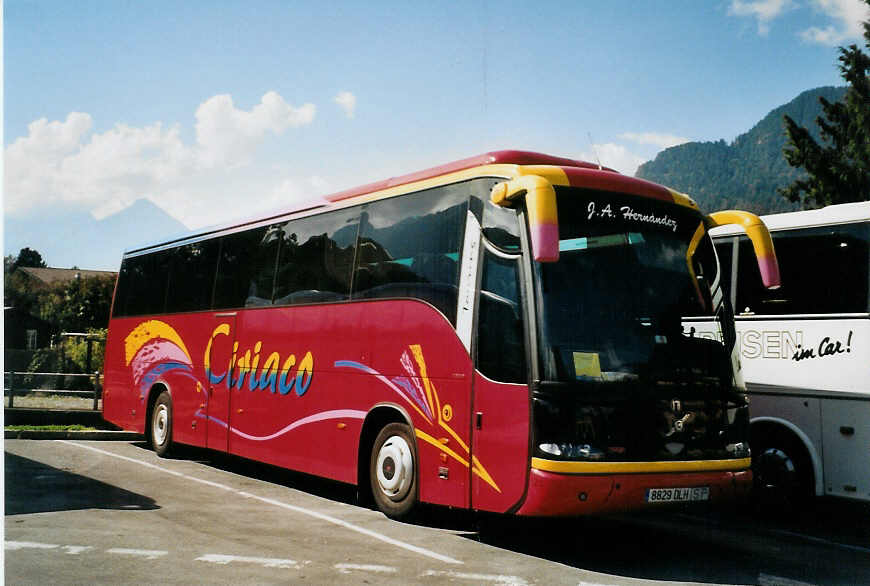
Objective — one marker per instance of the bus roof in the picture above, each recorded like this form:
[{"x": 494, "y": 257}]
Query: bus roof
[
  {"x": 576, "y": 171},
  {"x": 844, "y": 213},
  {"x": 490, "y": 158}
]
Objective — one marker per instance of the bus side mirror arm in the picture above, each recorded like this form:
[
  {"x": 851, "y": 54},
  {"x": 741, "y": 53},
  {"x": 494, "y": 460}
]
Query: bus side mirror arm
[
  {"x": 541, "y": 206},
  {"x": 762, "y": 243}
]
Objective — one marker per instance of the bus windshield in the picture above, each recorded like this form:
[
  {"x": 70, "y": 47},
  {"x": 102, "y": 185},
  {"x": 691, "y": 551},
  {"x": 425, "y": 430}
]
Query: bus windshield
[{"x": 614, "y": 307}]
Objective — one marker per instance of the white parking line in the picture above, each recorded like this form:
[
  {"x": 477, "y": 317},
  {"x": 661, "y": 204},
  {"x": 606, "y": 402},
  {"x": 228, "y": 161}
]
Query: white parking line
[
  {"x": 68, "y": 549},
  {"x": 148, "y": 554},
  {"x": 374, "y": 568},
  {"x": 216, "y": 558},
  {"x": 494, "y": 578},
  {"x": 15, "y": 545},
  {"x": 328, "y": 518}
]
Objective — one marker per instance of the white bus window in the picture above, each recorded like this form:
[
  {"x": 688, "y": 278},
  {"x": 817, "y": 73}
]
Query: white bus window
[{"x": 824, "y": 270}]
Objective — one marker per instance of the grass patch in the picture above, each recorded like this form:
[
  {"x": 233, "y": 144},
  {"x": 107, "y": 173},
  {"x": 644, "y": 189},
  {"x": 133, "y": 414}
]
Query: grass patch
[{"x": 75, "y": 427}]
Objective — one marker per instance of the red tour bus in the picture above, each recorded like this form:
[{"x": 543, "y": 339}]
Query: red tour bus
[{"x": 509, "y": 333}]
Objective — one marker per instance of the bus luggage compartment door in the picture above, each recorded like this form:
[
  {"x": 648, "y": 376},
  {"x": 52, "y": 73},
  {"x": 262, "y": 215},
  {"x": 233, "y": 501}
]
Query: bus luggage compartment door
[{"x": 846, "y": 441}]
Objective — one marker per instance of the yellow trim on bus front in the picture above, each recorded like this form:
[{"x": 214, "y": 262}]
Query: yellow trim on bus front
[{"x": 639, "y": 467}]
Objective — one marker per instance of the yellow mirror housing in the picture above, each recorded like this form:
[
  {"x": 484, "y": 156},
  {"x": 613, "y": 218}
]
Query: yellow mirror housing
[
  {"x": 541, "y": 206},
  {"x": 762, "y": 243}
]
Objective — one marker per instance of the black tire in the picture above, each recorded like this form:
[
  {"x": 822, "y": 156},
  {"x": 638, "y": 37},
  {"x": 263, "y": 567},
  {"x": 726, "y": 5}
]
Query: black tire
[
  {"x": 160, "y": 426},
  {"x": 393, "y": 471},
  {"x": 782, "y": 472}
]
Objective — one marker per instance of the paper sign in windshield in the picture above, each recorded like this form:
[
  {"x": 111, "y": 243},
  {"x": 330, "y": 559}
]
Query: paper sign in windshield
[{"x": 586, "y": 364}]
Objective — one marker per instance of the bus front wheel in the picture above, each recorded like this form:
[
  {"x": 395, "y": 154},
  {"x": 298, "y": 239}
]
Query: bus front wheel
[
  {"x": 782, "y": 472},
  {"x": 392, "y": 470},
  {"x": 161, "y": 425}
]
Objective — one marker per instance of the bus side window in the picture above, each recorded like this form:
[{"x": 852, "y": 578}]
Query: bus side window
[
  {"x": 824, "y": 270},
  {"x": 501, "y": 353},
  {"x": 142, "y": 284},
  {"x": 316, "y": 258},
  {"x": 725, "y": 252},
  {"x": 500, "y": 226},
  {"x": 263, "y": 262},
  {"x": 191, "y": 276},
  {"x": 236, "y": 267},
  {"x": 409, "y": 247}
]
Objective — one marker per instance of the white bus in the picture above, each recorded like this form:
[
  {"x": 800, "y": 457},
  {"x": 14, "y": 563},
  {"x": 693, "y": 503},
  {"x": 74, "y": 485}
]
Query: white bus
[{"x": 805, "y": 349}]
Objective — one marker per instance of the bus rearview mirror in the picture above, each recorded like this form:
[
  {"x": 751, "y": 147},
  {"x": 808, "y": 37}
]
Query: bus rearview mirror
[
  {"x": 540, "y": 198},
  {"x": 762, "y": 243}
]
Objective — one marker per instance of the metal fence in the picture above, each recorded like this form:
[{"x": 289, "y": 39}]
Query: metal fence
[{"x": 21, "y": 384}]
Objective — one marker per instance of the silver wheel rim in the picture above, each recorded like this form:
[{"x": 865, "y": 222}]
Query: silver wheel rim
[
  {"x": 395, "y": 468},
  {"x": 160, "y": 427}
]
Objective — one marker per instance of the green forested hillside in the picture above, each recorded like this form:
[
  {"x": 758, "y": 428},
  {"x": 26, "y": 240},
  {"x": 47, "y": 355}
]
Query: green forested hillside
[{"x": 746, "y": 173}]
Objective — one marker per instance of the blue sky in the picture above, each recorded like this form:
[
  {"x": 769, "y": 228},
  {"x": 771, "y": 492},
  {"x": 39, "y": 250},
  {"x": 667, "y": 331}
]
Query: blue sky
[{"x": 220, "y": 109}]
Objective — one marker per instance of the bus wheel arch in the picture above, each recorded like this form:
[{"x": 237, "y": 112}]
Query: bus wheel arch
[
  {"x": 388, "y": 436},
  {"x": 158, "y": 420},
  {"x": 782, "y": 465}
]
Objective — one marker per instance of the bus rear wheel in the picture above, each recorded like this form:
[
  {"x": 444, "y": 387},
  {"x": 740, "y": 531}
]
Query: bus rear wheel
[
  {"x": 161, "y": 425},
  {"x": 393, "y": 471}
]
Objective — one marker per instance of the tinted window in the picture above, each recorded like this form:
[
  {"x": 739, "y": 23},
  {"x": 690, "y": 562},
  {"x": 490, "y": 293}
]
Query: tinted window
[
  {"x": 500, "y": 226},
  {"x": 501, "y": 354},
  {"x": 142, "y": 284},
  {"x": 191, "y": 276},
  {"x": 823, "y": 270},
  {"x": 409, "y": 247},
  {"x": 316, "y": 258},
  {"x": 239, "y": 265},
  {"x": 725, "y": 252},
  {"x": 263, "y": 267}
]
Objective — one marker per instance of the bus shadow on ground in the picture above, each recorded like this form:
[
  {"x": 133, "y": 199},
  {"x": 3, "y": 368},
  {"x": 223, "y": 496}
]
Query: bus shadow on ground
[
  {"x": 33, "y": 487},
  {"x": 322, "y": 487},
  {"x": 609, "y": 545},
  {"x": 460, "y": 521},
  {"x": 690, "y": 546}
]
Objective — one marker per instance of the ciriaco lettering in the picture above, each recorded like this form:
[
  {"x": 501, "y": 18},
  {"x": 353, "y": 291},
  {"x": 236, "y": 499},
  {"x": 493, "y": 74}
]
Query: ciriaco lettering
[{"x": 277, "y": 374}]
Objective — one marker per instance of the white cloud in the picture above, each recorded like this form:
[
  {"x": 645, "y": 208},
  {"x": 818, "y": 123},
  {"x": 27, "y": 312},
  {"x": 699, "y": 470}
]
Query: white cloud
[
  {"x": 227, "y": 135},
  {"x": 659, "y": 140},
  {"x": 32, "y": 163},
  {"x": 62, "y": 165},
  {"x": 764, "y": 11},
  {"x": 293, "y": 190},
  {"x": 615, "y": 156},
  {"x": 848, "y": 16},
  {"x": 347, "y": 102}
]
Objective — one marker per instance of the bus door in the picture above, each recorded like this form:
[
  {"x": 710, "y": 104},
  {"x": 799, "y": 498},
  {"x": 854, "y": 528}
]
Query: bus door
[
  {"x": 500, "y": 405},
  {"x": 219, "y": 371}
]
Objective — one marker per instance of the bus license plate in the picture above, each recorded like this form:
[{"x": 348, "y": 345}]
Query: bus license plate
[{"x": 677, "y": 495}]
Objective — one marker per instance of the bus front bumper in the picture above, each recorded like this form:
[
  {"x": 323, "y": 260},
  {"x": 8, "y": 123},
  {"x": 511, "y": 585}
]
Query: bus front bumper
[{"x": 556, "y": 493}]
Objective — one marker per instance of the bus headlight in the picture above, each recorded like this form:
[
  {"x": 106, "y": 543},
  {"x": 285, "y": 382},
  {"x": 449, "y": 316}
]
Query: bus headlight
[
  {"x": 574, "y": 451},
  {"x": 738, "y": 450}
]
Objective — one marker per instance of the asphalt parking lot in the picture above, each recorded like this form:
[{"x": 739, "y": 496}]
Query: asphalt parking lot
[{"x": 112, "y": 512}]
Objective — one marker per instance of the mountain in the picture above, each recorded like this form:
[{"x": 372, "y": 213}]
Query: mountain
[
  {"x": 77, "y": 239},
  {"x": 746, "y": 173}
]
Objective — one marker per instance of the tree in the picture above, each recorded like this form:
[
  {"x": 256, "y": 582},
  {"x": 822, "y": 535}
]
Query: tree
[
  {"x": 28, "y": 258},
  {"x": 839, "y": 170},
  {"x": 78, "y": 305}
]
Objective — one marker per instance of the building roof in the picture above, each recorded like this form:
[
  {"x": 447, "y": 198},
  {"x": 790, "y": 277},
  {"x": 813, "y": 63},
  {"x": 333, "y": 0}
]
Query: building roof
[{"x": 50, "y": 276}]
